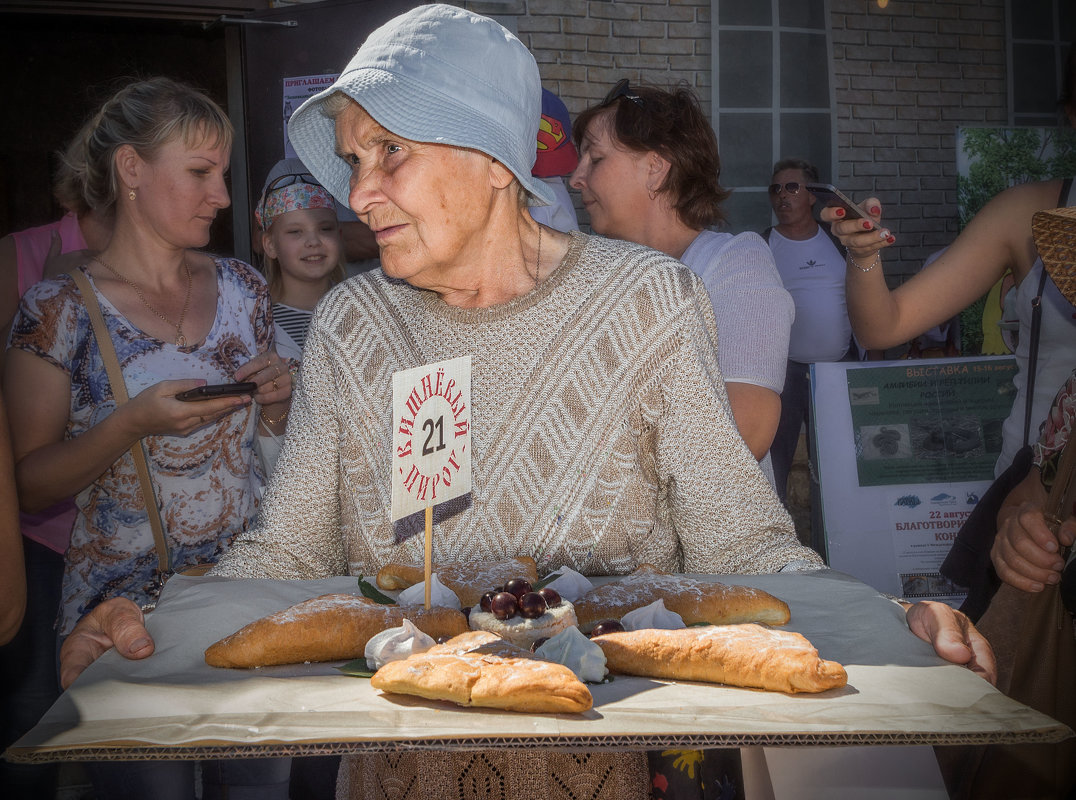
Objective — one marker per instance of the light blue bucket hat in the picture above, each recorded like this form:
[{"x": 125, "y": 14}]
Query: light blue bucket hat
[{"x": 435, "y": 74}]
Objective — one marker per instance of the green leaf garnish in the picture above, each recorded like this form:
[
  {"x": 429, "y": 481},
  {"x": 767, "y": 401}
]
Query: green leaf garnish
[
  {"x": 370, "y": 591},
  {"x": 544, "y": 582},
  {"x": 357, "y": 668}
]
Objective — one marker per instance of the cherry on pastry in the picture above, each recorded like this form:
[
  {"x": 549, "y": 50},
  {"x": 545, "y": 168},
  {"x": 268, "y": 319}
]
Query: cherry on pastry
[
  {"x": 532, "y": 605},
  {"x": 518, "y": 587},
  {"x": 606, "y": 626},
  {"x": 503, "y": 605},
  {"x": 551, "y": 596}
]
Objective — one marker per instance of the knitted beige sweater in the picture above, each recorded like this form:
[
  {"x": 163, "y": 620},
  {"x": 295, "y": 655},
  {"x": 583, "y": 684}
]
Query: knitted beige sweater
[
  {"x": 602, "y": 439},
  {"x": 601, "y": 431}
]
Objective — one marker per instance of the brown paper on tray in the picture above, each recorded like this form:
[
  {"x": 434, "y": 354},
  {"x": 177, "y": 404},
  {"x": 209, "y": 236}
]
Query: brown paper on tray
[{"x": 172, "y": 705}]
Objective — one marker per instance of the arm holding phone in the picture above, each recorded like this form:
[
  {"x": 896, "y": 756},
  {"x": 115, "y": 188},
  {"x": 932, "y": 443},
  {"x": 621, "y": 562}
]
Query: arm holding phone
[{"x": 997, "y": 238}]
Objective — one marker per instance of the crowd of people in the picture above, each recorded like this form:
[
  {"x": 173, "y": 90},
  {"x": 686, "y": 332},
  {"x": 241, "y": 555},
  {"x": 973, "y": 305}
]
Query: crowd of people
[{"x": 704, "y": 335}]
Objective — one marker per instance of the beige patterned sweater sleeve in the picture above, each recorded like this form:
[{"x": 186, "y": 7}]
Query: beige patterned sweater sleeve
[{"x": 601, "y": 432}]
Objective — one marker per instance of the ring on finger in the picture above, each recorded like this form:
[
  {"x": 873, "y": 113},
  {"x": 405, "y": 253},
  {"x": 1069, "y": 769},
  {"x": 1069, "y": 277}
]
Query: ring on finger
[
  {"x": 275, "y": 387},
  {"x": 277, "y": 366}
]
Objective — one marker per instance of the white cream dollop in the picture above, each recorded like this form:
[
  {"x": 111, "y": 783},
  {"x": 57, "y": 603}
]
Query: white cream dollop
[
  {"x": 440, "y": 595},
  {"x": 575, "y": 651},
  {"x": 654, "y": 615},
  {"x": 396, "y": 644},
  {"x": 571, "y": 585}
]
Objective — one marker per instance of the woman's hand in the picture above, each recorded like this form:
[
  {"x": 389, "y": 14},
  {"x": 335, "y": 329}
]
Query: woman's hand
[
  {"x": 1026, "y": 553},
  {"x": 156, "y": 411},
  {"x": 272, "y": 375},
  {"x": 118, "y": 623},
  {"x": 862, "y": 238},
  {"x": 953, "y": 636}
]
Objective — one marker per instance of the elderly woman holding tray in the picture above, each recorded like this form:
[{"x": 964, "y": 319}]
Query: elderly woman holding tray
[{"x": 602, "y": 433}]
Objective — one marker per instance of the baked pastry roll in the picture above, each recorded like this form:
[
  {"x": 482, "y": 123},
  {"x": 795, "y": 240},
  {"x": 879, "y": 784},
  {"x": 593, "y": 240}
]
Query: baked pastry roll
[
  {"x": 481, "y": 669},
  {"x": 694, "y": 600},
  {"x": 738, "y": 655},
  {"x": 333, "y": 627},
  {"x": 468, "y": 579}
]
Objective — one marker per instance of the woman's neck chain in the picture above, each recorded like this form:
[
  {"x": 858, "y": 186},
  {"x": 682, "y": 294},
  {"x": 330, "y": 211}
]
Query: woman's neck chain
[
  {"x": 181, "y": 340},
  {"x": 538, "y": 260}
]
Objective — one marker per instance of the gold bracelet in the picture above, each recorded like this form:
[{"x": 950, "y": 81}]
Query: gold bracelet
[
  {"x": 269, "y": 421},
  {"x": 877, "y": 261}
]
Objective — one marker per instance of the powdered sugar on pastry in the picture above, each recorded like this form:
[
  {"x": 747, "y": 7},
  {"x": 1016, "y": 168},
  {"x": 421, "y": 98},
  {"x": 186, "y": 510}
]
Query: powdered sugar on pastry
[
  {"x": 468, "y": 579},
  {"x": 331, "y": 627},
  {"x": 694, "y": 600},
  {"x": 481, "y": 669}
]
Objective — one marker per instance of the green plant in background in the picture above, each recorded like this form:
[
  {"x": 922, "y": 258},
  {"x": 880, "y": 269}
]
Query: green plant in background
[{"x": 1000, "y": 158}]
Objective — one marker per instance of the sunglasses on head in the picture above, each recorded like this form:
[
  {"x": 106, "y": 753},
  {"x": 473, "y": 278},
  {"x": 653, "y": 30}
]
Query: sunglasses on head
[
  {"x": 622, "y": 89},
  {"x": 291, "y": 178},
  {"x": 791, "y": 187}
]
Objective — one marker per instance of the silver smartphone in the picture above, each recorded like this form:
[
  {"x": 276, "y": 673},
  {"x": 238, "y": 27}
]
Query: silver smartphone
[{"x": 830, "y": 195}]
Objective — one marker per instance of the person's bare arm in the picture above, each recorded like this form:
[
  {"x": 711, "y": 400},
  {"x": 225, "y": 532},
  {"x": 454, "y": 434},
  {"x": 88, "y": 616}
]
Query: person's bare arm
[
  {"x": 9, "y": 289},
  {"x": 50, "y": 467},
  {"x": 12, "y": 568},
  {"x": 757, "y": 412},
  {"x": 997, "y": 238}
]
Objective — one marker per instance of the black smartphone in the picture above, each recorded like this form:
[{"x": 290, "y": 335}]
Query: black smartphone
[
  {"x": 830, "y": 195},
  {"x": 217, "y": 390}
]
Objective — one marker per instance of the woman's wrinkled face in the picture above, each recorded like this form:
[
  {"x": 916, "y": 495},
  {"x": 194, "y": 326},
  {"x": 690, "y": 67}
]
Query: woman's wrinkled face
[
  {"x": 612, "y": 181},
  {"x": 428, "y": 205},
  {"x": 181, "y": 189}
]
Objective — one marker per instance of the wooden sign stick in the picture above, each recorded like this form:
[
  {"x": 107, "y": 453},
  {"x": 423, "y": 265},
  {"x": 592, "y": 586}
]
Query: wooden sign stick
[{"x": 429, "y": 552}]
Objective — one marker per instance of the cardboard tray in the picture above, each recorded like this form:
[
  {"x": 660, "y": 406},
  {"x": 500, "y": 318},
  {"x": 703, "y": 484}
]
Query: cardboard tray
[{"x": 173, "y": 706}]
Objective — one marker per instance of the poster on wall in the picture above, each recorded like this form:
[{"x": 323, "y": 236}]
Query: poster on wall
[
  {"x": 295, "y": 92},
  {"x": 904, "y": 451}
]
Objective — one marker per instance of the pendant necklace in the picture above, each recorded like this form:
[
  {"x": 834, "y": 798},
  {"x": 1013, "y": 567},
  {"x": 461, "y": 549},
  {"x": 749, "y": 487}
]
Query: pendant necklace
[{"x": 181, "y": 340}]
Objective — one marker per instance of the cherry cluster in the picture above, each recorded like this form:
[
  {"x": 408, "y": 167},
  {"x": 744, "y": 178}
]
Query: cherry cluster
[{"x": 517, "y": 596}]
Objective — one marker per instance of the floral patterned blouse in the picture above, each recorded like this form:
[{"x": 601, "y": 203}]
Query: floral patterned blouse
[
  {"x": 1056, "y": 432},
  {"x": 207, "y": 483}
]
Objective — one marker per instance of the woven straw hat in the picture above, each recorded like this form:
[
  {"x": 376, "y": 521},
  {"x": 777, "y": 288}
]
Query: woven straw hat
[{"x": 1055, "y": 239}]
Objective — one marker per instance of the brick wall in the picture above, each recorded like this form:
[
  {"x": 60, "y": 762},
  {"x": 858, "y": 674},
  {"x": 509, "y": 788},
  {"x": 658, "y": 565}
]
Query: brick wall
[{"x": 906, "y": 77}]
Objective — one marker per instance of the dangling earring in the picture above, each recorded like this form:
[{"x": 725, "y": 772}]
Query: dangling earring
[
  {"x": 131, "y": 194},
  {"x": 651, "y": 192}
]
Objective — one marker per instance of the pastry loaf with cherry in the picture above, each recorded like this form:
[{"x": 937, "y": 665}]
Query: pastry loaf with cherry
[
  {"x": 333, "y": 627},
  {"x": 694, "y": 600},
  {"x": 468, "y": 579},
  {"x": 481, "y": 669},
  {"x": 738, "y": 655}
]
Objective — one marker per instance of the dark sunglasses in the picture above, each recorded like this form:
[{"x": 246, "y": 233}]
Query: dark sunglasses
[
  {"x": 622, "y": 89},
  {"x": 791, "y": 187},
  {"x": 291, "y": 178}
]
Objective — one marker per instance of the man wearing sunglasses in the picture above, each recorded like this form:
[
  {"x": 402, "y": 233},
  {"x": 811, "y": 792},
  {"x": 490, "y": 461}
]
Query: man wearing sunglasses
[{"x": 812, "y": 269}]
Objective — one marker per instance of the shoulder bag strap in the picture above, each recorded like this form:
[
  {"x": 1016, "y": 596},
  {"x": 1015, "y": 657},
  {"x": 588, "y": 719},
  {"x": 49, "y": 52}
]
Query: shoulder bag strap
[
  {"x": 1036, "y": 325},
  {"x": 119, "y": 393}
]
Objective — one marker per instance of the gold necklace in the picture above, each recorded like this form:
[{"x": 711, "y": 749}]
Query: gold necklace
[{"x": 181, "y": 340}]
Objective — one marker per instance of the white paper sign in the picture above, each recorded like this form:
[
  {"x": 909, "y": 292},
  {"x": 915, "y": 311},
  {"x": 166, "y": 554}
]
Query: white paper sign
[
  {"x": 431, "y": 439},
  {"x": 904, "y": 449},
  {"x": 296, "y": 90}
]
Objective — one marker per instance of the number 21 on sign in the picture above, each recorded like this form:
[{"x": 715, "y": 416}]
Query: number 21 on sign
[{"x": 431, "y": 440}]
